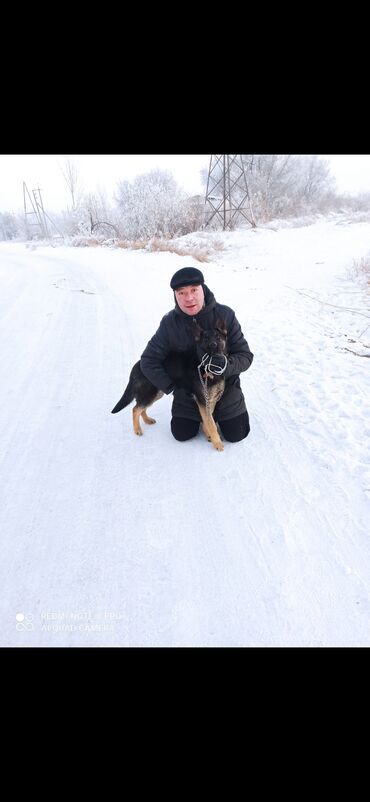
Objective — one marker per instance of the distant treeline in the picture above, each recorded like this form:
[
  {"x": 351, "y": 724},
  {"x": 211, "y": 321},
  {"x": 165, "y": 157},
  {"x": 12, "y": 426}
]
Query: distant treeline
[{"x": 152, "y": 205}]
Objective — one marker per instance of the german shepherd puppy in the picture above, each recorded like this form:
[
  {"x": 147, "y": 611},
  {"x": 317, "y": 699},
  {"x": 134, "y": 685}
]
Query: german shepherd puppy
[{"x": 184, "y": 370}]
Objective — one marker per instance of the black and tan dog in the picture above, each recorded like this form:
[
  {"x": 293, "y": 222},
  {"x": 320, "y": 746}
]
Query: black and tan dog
[{"x": 204, "y": 380}]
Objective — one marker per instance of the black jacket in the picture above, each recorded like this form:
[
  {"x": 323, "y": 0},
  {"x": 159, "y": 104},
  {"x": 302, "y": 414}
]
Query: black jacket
[{"x": 175, "y": 334}]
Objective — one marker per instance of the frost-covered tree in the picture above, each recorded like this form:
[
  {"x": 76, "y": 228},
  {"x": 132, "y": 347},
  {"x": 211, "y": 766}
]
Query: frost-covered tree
[
  {"x": 150, "y": 205},
  {"x": 8, "y": 226},
  {"x": 286, "y": 184},
  {"x": 317, "y": 179}
]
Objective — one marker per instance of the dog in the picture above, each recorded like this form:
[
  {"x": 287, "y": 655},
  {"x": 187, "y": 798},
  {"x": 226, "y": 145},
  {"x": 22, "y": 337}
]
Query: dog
[{"x": 205, "y": 381}]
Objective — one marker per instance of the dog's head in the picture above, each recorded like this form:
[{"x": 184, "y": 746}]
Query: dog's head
[{"x": 214, "y": 341}]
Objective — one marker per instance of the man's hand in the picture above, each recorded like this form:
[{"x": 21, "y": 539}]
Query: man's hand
[
  {"x": 217, "y": 365},
  {"x": 220, "y": 361},
  {"x": 213, "y": 365}
]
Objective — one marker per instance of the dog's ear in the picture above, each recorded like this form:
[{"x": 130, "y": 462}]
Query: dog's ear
[
  {"x": 221, "y": 327},
  {"x": 197, "y": 331}
]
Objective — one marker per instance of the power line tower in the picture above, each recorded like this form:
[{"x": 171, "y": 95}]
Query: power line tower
[
  {"x": 227, "y": 193},
  {"x": 34, "y": 215},
  {"x": 34, "y": 209}
]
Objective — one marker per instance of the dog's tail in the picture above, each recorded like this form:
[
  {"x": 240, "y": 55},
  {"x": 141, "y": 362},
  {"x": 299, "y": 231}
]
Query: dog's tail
[{"x": 127, "y": 397}]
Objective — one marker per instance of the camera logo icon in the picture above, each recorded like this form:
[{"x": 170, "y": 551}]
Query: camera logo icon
[{"x": 24, "y": 622}]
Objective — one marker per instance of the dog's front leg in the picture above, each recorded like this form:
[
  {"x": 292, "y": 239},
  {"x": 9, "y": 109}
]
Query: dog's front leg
[{"x": 210, "y": 428}]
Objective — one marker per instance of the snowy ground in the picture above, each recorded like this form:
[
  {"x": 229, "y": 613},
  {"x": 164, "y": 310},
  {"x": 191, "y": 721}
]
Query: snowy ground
[{"x": 113, "y": 540}]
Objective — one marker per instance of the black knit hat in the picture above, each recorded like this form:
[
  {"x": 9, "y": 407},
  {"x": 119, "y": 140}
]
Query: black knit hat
[{"x": 185, "y": 277}]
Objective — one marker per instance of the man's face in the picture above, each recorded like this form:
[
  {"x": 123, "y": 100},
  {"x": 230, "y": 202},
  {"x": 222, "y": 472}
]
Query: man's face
[{"x": 190, "y": 299}]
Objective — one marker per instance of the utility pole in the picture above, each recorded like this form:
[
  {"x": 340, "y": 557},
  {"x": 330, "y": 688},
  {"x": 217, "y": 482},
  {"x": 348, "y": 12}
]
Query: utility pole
[{"x": 227, "y": 193}]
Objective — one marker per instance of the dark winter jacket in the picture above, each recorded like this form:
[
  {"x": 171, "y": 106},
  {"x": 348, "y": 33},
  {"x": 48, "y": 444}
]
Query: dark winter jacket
[{"x": 175, "y": 334}]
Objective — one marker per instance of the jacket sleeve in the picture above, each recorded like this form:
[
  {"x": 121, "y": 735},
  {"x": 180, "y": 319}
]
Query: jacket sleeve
[
  {"x": 240, "y": 357},
  {"x": 151, "y": 361}
]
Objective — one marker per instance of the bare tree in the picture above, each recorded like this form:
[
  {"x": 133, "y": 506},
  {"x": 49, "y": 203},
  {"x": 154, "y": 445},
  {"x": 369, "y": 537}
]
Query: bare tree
[
  {"x": 100, "y": 215},
  {"x": 317, "y": 177},
  {"x": 72, "y": 178}
]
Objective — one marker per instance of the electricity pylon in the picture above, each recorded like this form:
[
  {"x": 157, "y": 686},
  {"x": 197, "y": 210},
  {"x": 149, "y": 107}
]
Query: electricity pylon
[
  {"x": 227, "y": 192},
  {"x": 37, "y": 214}
]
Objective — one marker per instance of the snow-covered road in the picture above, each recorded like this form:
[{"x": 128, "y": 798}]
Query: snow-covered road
[{"x": 112, "y": 540}]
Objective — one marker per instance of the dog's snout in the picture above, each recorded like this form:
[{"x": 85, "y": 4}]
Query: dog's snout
[{"x": 213, "y": 345}]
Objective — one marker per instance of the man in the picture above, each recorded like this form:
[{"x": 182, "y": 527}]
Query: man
[{"x": 194, "y": 301}]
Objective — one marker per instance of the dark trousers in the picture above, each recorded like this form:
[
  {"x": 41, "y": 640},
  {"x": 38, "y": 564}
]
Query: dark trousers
[{"x": 233, "y": 430}]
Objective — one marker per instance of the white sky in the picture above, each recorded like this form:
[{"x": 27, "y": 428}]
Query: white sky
[{"x": 352, "y": 173}]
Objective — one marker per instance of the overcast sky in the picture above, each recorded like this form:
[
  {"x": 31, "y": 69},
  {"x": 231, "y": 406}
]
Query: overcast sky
[{"x": 352, "y": 174}]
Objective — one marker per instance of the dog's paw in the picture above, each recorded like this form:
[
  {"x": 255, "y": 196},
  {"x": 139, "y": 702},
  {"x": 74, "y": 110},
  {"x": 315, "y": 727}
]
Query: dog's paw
[{"x": 219, "y": 446}]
